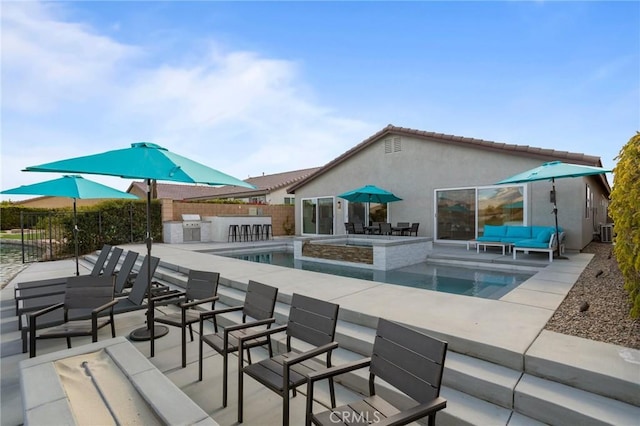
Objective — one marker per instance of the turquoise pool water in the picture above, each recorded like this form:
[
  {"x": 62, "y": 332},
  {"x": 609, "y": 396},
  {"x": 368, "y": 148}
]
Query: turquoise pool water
[{"x": 486, "y": 283}]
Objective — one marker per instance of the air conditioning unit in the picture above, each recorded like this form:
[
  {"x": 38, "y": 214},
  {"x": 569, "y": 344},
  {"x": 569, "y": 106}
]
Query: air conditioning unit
[{"x": 606, "y": 233}]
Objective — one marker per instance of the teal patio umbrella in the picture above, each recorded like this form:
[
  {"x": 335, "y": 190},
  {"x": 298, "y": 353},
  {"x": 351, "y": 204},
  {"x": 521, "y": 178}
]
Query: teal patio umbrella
[
  {"x": 148, "y": 161},
  {"x": 551, "y": 171},
  {"x": 75, "y": 187},
  {"x": 369, "y": 194}
]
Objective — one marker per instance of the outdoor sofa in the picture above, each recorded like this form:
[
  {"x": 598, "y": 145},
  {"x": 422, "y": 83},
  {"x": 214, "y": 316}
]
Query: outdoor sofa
[{"x": 524, "y": 238}]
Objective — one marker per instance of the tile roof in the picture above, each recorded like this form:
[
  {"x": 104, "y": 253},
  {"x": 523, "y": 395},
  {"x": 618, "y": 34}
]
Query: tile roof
[
  {"x": 521, "y": 150},
  {"x": 264, "y": 184}
]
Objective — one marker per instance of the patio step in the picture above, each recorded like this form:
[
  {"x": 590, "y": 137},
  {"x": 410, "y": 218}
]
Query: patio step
[
  {"x": 549, "y": 401},
  {"x": 553, "y": 356}
]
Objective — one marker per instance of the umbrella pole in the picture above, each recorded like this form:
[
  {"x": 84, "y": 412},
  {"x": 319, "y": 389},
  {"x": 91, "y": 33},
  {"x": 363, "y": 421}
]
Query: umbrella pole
[
  {"x": 75, "y": 235},
  {"x": 145, "y": 333},
  {"x": 555, "y": 213}
]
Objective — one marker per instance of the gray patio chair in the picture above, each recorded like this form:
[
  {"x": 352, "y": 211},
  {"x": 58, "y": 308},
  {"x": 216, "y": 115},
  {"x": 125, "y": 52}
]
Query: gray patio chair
[
  {"x": 349, "y": 228},
  {"x": 310, "y": 320},
  {"x": 385, "y": 228},
  {"x": 410, "y": 361},
  {"x": 46, "y": 290},
  {"x": 358, "y": 228},
  {"x": 257, "y": 312},
  {"x": 202, "y": 287},
  {"x": 97, "y": 269},
  {"x": 86, "y": 296},
  {"x": 414, "y": 229}
]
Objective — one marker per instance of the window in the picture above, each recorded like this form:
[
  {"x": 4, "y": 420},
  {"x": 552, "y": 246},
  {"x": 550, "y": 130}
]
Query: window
[
  {"x": 289, "y": 200},
  {"x": 588, "y": 202}
]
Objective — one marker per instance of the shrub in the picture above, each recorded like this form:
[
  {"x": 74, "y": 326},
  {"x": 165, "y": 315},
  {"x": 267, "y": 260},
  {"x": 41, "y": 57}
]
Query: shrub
[{"x": 625, "y": 212}]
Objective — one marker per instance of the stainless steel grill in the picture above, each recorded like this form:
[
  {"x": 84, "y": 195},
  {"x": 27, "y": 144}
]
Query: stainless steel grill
[{"x": 191, "y": 224}]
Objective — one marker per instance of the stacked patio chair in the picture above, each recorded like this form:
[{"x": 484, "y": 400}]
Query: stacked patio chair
[
  {"x": 85, "y": 296},
  {"x": 62, "y": 281}
]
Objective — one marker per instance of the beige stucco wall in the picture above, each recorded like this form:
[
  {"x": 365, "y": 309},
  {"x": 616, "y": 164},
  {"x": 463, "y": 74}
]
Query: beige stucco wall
[{"x": 423, "y": 166}]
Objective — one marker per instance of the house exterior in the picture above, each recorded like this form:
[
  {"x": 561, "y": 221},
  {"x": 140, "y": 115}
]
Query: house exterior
[
  {"x": 270, "y": 189},
  {"x": 447, "y": 184}
]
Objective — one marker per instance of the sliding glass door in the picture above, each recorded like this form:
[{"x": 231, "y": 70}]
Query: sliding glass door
[
  {"x": 462, "y": 213},
  {"x": 317, "y": 216}
]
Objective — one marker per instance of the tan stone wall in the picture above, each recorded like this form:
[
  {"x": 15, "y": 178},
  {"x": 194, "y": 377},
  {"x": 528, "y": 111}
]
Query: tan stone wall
[
  {"x": 280, "y": 214},
  {"x": 339, "y": 252}
]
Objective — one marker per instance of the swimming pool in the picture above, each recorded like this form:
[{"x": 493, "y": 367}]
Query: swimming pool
[{"x": 485, "y": 283}]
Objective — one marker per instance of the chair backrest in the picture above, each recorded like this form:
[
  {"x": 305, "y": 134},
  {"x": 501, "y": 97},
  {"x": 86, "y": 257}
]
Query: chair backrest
[
  {"x": 139, "y": 289},
  {"x": 110, "y": 268},
  {"x": 358, "y": 228},
  {"x": 202, "y": 284},
  {"x": 348, "y": 226},
  {"x": 260, "y": 301},
  {"x": 87, "y": 292},
  {"x": 102, "y": 258},
  {"x": 414, "y": 228},
  {"x": 403, "y": 224},
  {"x": 311, "y": 320},
  {"x": 125, "y": 270},
  {"x": 409, "y": 360},
  {"x": 385, "y": 228}
]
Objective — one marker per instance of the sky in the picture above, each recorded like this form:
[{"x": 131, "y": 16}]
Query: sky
[{"x": 267, "y": 87}]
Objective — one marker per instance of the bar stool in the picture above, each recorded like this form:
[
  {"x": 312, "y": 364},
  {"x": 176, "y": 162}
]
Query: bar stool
[
  {"x": 266, "y": 231},
  {"x": 256, "y": 231},
  {"x": 234, "y": 231},
  {"x": 245, "y": 232}
]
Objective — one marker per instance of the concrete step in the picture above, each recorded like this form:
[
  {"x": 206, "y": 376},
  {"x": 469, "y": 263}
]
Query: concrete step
[
  {"x": 578, "y": 362},
  {"x": 554, "y": 403}
]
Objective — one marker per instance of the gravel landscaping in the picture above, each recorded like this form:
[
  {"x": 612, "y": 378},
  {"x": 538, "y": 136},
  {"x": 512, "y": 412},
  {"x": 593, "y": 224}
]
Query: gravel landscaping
[{"x": 597, "y": 307}]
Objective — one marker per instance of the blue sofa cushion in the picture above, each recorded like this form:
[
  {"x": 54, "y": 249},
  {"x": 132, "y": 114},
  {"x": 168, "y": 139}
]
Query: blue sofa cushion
[
  {"x": 544, "y": 236},
  {"x": 522, "y": 232},
  {"x": 531, "y": 244},
  {"x": 494, "y": 231}
]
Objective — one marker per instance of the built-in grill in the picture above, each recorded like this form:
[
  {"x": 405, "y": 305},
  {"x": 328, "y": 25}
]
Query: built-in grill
[{"x": 191, "y": 224}]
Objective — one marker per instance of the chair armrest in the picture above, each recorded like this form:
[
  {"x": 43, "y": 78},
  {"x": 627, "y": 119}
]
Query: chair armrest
[
  {"x": 262, "y": 333},
  {"x": 249, "y": 324},
  {"x": 339, "y": 369},
  {"x": 414, "y": 413},
  {"x": 187, "y": 305},
  {"x": 44, "y": 310},
  {"x": 309, "y": 354},
  {"x": 210, "y": 314},
  {"x": 103, "y": 307},
  {"x": 167, "y": 296}
]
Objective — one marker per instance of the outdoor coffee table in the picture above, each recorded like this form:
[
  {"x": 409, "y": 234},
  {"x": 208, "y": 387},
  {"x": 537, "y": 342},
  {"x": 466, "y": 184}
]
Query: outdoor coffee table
[{"x": 486, "y": 244}]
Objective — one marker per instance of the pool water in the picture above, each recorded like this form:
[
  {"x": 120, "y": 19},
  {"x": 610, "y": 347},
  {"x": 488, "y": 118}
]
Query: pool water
[{"x": 485, "y": 283}]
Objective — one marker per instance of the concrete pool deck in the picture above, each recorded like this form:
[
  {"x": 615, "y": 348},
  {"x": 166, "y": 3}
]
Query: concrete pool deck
[{"x": 500, "y": 353}]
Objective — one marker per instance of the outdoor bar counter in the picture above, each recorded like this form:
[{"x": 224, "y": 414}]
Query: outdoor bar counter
[{"x": 220, "y": 224}]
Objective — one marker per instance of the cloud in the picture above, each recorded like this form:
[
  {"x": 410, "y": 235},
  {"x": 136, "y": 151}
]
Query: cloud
[{"x": 71, "y": 91}]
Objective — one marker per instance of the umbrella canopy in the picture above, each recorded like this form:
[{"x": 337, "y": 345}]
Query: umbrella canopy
[
  {"x": 75, "y": 187},
  {"x": 551, "y": 171},
  {"x": 554, "y": 170},
  {"x": 144, "y": 160},
  {"x": 369, "y": 194}
]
